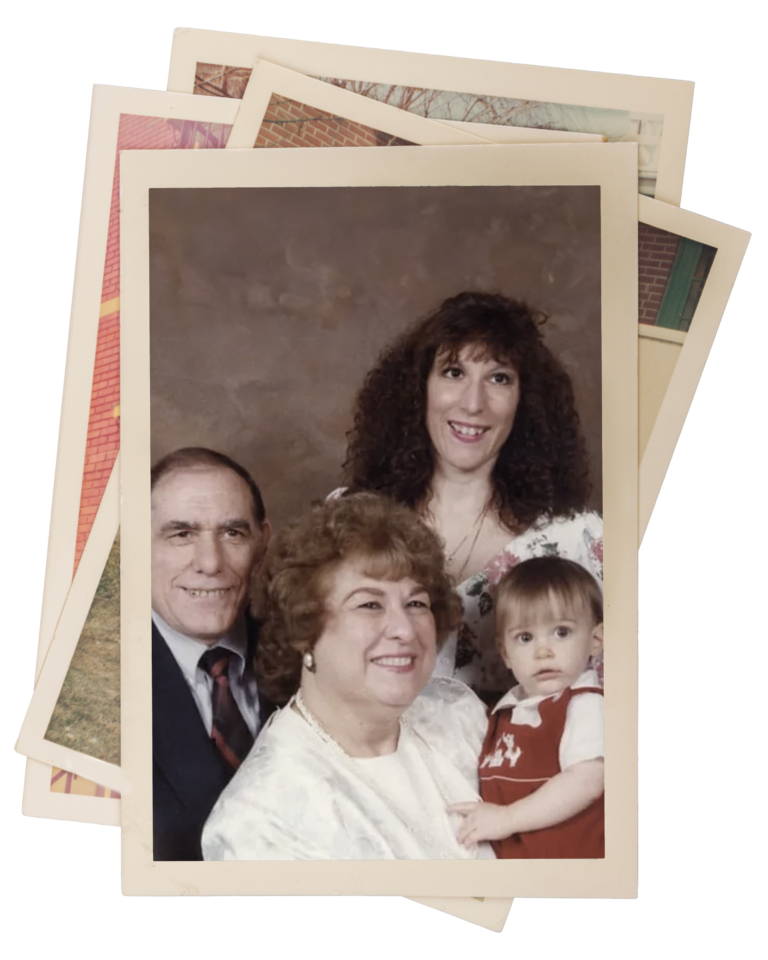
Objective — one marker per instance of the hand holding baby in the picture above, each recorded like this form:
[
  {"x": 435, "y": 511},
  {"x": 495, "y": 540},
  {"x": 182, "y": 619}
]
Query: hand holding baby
[{"x": 482, "y": 821}]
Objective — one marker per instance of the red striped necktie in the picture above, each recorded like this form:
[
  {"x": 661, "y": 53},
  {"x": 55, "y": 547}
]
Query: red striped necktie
[{"x": 230, "y": 731}]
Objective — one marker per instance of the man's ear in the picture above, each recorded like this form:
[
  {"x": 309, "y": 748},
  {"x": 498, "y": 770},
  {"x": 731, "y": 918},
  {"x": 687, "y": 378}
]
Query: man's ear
[
  {"x": 266, "y": 532},
  {"x": 597, "y": 639}
]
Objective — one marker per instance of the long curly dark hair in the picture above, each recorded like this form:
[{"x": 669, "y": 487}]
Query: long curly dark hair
[{"x": 542, "y": 469}]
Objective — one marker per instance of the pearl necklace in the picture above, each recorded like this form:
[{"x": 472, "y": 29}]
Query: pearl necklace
[{"x": 350, "y": 762}]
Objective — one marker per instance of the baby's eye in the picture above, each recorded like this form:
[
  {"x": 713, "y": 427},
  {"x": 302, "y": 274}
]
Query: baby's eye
[
  {"x": 524, "y": 637},
  {"x": 562, "y": 632}
]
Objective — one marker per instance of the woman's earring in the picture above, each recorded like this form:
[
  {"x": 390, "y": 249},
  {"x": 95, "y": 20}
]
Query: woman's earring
[{"x": 309, "y": 661}]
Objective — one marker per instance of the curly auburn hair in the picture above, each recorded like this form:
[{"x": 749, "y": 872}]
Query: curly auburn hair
[
  {"x": 542, "y": 469},
  {"x": 292, "y": 586}
]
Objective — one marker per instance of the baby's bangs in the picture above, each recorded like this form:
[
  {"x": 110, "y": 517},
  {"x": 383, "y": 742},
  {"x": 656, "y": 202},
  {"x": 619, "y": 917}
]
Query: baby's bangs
[{"x": 561, "y": 601}]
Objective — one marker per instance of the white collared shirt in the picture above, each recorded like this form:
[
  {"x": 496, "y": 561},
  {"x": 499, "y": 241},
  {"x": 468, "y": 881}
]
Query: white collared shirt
[{"x": 187, "y": 652}]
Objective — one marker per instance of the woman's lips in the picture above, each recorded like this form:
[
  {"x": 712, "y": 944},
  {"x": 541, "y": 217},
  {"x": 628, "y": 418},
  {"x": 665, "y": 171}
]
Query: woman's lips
[
  {"x": 467, "y": 432},
  {"x": 403, "y": 663}
]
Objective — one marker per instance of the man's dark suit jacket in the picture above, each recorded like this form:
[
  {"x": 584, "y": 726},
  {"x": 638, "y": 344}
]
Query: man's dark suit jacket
[{"x": 188, "y": 772}]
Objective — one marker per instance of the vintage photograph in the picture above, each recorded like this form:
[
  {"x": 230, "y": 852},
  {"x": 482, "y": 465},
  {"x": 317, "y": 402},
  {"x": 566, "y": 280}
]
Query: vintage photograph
[
  {"x": 364, "y": 497},
  {"x": 687, "y": 266},
  {"x": 673, "y": 271},
  {"x": 368, "y": 350},
  {"x": 86, "y": 717},
  {"x": 73, "y": 719},
  {"x": 288, "y": 123}
]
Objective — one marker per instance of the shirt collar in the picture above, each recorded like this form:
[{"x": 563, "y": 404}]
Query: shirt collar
[
  {"x": 188, "y": 650},
  {"x": 517, "y": 697}
]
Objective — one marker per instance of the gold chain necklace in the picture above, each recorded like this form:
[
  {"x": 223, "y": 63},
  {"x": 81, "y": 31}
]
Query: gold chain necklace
[{"x": 477, "y": 526}]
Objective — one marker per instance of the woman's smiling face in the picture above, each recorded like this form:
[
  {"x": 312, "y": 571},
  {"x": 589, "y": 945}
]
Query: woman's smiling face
[
  {"x": 471, "y": 407},
  {"x": 378, "y": 646}
]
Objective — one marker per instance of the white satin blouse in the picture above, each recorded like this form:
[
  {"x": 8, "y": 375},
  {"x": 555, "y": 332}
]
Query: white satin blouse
[{"x": 299, "y": 797}]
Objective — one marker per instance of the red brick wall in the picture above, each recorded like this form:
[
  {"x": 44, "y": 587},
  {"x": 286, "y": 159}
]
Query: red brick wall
[
  {"x": 290, "y": 124},
  {"x": 657, "y": 250},
  {"x": 134, "y": 133},
  {"x": 103, "y": 440}
]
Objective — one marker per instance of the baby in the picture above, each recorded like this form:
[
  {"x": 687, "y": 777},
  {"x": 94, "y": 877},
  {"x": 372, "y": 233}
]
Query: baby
[{"x": 541, "y": 766}]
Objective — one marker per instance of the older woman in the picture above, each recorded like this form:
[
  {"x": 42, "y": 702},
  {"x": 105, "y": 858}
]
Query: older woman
[
  {"x": 367, "y": 755},
  {"x": 470, "y": 419}
]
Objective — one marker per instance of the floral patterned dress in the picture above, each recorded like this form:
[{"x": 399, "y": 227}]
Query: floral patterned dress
[{"x": 470, "y": 653}]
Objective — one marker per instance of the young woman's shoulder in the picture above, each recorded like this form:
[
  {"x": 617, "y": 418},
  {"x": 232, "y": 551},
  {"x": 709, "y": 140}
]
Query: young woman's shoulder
[
  {"x": 577, "y": 522},
  {"x": 577, "y": 537}
]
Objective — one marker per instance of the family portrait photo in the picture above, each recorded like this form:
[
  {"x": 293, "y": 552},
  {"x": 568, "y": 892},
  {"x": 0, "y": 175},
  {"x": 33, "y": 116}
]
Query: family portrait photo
[
  {"x": 376, "y": 411},
  {"x": 380, "y": 417}
]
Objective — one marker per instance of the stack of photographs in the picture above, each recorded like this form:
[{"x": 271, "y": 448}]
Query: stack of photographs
[{"x": 231, "y": 293}]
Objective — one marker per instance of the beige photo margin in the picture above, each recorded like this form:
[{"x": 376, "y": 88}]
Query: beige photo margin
[
  {"x": 582, "y": 88},
  {"x": 611, "y": 166}
]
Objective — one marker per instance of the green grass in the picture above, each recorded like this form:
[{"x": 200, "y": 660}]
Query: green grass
[{"x": 86, "y": 717}]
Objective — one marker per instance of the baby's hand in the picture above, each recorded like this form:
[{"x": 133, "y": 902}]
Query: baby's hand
[{"x": 482, "y": 821}]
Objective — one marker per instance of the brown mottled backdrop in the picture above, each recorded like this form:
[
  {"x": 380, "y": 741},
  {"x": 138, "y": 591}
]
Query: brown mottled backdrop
[{"x": 268, "y": 307}]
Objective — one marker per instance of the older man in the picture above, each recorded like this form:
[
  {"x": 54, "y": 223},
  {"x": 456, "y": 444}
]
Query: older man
[{"x": 209, "y": 532}]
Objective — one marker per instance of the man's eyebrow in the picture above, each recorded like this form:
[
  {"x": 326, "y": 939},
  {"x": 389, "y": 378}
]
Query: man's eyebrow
[
  {"x": 175, "y": 525},
  {"x": 237, "y": 524}
]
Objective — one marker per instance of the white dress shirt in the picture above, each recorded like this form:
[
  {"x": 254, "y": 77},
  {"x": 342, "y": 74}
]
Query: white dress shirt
[{"x": 187, "y": 652}]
